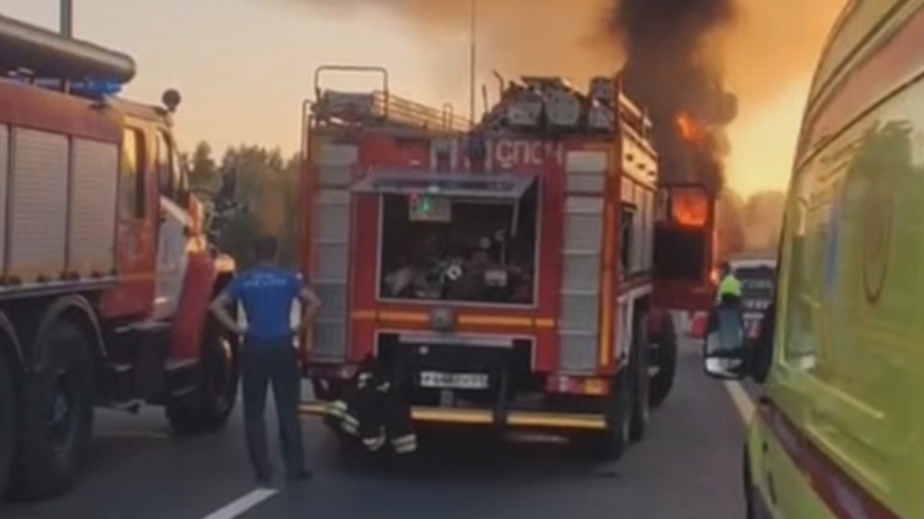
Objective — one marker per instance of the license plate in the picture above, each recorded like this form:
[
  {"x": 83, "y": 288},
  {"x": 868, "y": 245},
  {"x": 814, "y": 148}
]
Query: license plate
[{"x": 436, "y": 379}]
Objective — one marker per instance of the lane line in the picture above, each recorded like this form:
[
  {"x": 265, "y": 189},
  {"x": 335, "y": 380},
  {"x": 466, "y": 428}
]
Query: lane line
[
  {"x": 741, "y": 399},
  {"x": 242, "y": 504}
]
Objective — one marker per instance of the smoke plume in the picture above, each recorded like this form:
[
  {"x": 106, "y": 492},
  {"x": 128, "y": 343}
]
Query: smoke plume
[{"x": 674, "y": 68}]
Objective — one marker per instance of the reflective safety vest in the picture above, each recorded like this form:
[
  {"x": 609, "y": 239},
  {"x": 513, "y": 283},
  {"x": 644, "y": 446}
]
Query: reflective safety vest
[{"x": 729, "y": 286}]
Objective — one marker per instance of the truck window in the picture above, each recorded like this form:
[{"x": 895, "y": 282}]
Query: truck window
[
  {"x": 458, "y": 248},
  {"x": 627, "y": 245},
  {"x": 169, "y": 172},
  {"x": 680, "y": 254},
  {"x": 131, "y": 190}
]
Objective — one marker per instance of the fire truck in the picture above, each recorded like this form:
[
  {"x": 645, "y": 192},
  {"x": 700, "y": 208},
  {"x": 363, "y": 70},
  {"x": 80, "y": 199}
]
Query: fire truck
[
  {"x": 504, "y": 274},
  {"x": 105, "y": 276}
]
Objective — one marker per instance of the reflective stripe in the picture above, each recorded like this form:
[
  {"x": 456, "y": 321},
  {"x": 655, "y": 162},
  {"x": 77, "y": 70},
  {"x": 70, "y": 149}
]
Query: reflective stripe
[
  {"x": 374, "y": 444},
  {"x": 404, "y": 444},
  {"x": 350, "y": 428},
  {"x": 843, "y": 495}
]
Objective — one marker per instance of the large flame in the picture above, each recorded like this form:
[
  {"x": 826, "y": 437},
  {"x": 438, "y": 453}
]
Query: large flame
[{"x": 689, "y": 207}]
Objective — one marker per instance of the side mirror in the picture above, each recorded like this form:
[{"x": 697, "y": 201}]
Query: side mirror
[{"x": 725, "y": 354}]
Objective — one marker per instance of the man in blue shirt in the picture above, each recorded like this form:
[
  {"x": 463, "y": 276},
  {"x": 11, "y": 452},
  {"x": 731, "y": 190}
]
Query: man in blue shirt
[{"x": 268, "y": 356}]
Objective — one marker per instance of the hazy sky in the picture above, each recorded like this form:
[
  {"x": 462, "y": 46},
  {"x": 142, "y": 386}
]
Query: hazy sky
[{"x": 244, "y": 67}]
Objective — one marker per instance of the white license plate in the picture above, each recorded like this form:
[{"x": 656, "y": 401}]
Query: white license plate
[{"x": 441, "y": 380}]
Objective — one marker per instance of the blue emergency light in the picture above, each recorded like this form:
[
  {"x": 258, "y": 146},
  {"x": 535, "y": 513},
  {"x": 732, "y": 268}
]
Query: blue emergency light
[
  {"x": 96, "y": 89},
  {"x": 90, "y": 89}
]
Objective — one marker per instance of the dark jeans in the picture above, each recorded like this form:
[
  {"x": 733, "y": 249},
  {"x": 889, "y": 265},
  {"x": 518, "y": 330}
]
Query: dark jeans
[{"x": 275, "y": 362}]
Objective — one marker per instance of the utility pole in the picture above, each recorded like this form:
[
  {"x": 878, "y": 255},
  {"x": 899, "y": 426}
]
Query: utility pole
[
  {"x": 473, "y": 36},
  {"x": 67, "y": 18}
]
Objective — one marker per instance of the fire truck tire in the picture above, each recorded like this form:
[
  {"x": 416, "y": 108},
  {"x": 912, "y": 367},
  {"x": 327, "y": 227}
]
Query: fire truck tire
[
  {"x": 57, "y": 415},
  {"x": 8, "y": 422},
  {"x": 611, "y": 443},
  {"x": 641, "y": 381},
  {"x": 666, "y": 360},
  {"x": 209, "y": 407}
]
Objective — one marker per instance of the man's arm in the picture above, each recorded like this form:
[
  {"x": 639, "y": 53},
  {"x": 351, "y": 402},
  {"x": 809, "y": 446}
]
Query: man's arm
[
  {"x": 310, "y": 305},
  {"x": 219, "y": 308}
]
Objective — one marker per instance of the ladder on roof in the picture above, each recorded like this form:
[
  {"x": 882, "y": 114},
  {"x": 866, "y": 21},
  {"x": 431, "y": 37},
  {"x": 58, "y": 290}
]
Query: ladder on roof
[{"x": 379, "y": 107}]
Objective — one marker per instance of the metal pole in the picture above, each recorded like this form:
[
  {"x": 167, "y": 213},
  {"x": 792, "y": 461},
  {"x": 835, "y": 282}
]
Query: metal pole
[
  {"x": 67, "y": 18},
  {"x": 472, "y": 57}
]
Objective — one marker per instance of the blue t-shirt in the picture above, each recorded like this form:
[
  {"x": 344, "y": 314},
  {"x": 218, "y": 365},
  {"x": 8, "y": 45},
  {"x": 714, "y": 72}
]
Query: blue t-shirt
[{"x": 267, "y": 294}]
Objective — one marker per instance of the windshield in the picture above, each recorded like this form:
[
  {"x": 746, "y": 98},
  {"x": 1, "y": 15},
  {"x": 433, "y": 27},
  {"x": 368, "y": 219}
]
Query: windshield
[{"x": 444, "y": 248}]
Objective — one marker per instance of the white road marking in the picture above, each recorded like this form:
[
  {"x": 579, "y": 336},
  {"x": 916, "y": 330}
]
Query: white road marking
[
  {"x": 242, "y": 504},
  {"x": 740, "y": 398}
]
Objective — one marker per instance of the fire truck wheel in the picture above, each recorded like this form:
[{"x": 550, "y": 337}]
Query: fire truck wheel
[
  {"x": 611, "y": 443},
  {"x": 209, "y": 407},
  {"x": 57, "y": 415},
  {"x": 662, "y": 381},
  {"x": 8, "y": 421},
  {"x": 641, "y": 381}
]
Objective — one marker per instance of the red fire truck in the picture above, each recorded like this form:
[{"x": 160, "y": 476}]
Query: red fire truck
[
  {"x": 503, "y": 273},
  {"x": 105, "y": 276}
]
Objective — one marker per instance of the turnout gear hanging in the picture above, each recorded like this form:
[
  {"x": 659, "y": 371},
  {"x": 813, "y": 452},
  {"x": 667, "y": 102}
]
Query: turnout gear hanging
[{"x": 374, "y": 412}]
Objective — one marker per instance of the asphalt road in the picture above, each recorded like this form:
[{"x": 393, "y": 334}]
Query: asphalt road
[{"x": 688, "y": 467}]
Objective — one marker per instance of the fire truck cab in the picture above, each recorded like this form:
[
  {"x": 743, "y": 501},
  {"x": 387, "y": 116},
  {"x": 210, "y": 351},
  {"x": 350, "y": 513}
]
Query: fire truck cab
[
  {"x": 105, "y": 274},
  {"x": 502, "y": 272}
]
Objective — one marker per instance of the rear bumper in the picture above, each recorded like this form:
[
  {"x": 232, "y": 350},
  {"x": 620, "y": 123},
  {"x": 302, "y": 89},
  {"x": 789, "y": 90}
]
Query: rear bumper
[{"x": 484, "y": 417}]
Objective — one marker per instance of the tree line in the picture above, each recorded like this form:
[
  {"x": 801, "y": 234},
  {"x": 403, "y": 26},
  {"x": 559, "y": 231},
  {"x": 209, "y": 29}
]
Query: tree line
[{"x": 267, "y": 185}]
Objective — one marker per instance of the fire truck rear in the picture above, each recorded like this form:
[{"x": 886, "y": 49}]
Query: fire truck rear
[
  {"x": 503, "y": 273},
  {"x": 105, "y": 274}
]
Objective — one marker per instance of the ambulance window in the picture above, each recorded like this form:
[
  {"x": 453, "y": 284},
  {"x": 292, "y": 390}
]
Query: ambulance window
[
  {"x": 131, "y": 190},
  {"x": 799, "y": 346}
]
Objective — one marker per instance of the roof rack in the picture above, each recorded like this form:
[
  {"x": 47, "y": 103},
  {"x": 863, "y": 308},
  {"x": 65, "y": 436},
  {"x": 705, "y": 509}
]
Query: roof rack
[
  {"x": 605, "y": 97},
  {"x": 33, "y": 51},
  {"x": 379, "y": 107}
]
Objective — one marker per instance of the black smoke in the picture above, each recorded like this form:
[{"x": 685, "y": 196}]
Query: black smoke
[{"x": 673, "y": 67}]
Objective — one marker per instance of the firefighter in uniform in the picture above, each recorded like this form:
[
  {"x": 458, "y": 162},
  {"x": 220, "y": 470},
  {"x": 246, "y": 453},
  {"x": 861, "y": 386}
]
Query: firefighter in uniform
[{"x": 373, "y": 411}]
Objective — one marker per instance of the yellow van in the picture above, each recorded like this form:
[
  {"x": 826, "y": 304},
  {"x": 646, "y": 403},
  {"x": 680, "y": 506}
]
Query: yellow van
[{"x": 839, "y": 428}]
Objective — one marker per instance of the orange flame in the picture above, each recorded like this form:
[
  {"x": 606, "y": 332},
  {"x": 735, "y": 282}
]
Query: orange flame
[
  {"x": 690, "y": 131},
  {"x": 689, "y": 208}
]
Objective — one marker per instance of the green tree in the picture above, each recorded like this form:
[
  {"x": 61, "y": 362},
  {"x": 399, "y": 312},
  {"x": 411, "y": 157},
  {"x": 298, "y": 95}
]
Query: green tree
[
  {"x": 268, "y": 184},
  {"x": 203, "y": 171}
]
